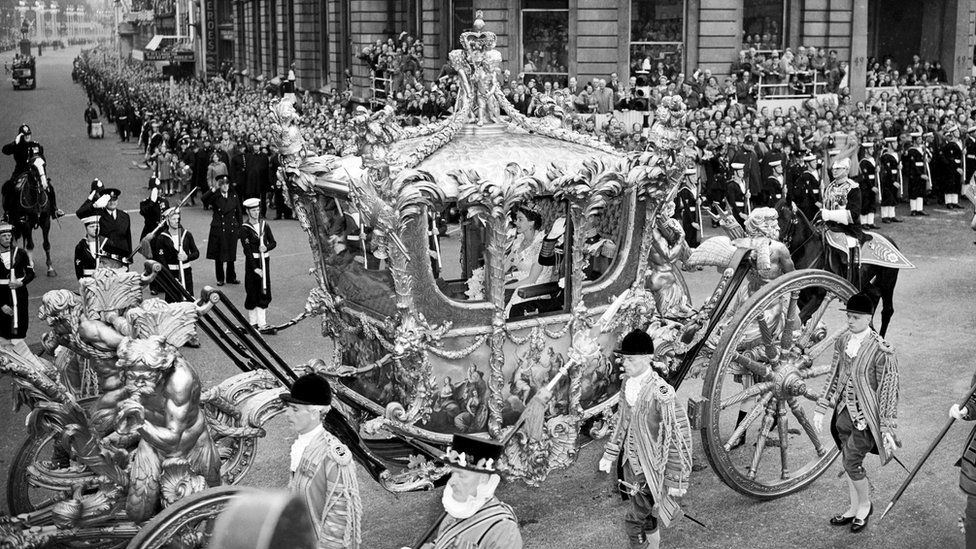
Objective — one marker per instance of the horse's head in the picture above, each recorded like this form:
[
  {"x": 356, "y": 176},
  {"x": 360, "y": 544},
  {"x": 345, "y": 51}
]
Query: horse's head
[{"x": 38, "y": 167}]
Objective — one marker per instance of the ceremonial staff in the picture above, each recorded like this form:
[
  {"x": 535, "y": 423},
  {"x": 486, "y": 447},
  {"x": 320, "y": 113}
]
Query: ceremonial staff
[
  {"x": 936, "y": 442},
  {"x": 144, "y": 243}
]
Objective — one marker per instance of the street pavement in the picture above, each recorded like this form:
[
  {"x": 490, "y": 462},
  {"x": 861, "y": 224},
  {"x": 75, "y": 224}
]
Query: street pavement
[{"x": 932, "y": 331}]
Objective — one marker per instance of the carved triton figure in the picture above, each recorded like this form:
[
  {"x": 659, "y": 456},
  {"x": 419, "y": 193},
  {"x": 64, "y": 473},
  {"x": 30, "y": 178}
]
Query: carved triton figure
[
  {"x": 176, "y": 456},
  {"x": 668, "y": 247}
]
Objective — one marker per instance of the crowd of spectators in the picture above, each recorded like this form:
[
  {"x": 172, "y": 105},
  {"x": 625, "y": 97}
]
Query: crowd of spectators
[
  {"x": 885, "y": 72},
  {"x": 808, "y": 70}
]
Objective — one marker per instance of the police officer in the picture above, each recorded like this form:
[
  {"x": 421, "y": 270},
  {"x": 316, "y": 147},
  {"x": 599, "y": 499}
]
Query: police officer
[
  {"x": 686, "y": 207},
  {"x": 89, "y": 249},
  {"x": 889, "y": 176},
  {"x": 868, "y": 181},
  {"x": 257, "y": 241},
  {"x": 737, "y": 193},
  {"x": 22, "y": 148},
  {"x": 175, "y": 249},
  {"x": 114, "y": 223},
  {"x": 914, "y": 167},
  {"x": 806, "y": 191}
]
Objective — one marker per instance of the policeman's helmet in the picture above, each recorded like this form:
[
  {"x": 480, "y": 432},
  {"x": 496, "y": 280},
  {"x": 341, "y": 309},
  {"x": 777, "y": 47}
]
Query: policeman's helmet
[{"x": 24, "y": 129}]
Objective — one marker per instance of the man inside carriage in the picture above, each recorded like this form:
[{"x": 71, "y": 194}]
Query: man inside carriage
[{"x": 28, "y": 155}]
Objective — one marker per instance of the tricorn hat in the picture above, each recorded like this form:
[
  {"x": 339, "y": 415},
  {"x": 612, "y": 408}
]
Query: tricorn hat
[
  {"x": 859, "y": 304},
  {"x": 309, "y": 390},
  {"x": 474, "y": 454},
  {"x": 637, "y": 342}
]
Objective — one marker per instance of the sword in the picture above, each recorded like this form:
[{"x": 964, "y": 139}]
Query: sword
[{"x": 634, "y": 489}]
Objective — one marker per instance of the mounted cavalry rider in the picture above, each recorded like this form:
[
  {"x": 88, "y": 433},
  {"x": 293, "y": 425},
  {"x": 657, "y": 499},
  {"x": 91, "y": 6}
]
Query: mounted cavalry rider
[{"x": 841, "y": 213}]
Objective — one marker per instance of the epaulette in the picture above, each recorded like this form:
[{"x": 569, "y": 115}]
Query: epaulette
[{"x": 337, "y": 450}]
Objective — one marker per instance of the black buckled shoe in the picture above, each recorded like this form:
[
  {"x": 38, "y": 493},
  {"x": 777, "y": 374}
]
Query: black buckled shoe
[
  {"x": 860, "y": 524},
  {"x": 841, "y": 520}
]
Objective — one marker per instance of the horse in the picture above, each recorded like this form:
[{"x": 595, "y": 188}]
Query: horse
[
  {"x": 27, "y": 206},
  {"x": 807, "y": 249}
]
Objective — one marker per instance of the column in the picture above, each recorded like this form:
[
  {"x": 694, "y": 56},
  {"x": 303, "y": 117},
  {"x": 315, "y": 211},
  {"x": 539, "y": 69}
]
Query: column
[
  {"x": 957, "y": 57},
  {"x": 857, "y": 71}
]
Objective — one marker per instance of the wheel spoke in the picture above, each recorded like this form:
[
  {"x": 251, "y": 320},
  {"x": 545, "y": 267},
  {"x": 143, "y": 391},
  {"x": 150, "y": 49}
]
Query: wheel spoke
[
  {"x": 811, "y": 325},
  {"x": 784, "y": 439},
  {"x": 767, "y": 426},
  {"x": 753, "y": 366},
  {"x": 792, "y": 321},
  {"x": 801, "y": 418},
  {"x": 751, "y": 417},
  {"x": 769, "y": 342},
  {"x": 748, "y": 393}
]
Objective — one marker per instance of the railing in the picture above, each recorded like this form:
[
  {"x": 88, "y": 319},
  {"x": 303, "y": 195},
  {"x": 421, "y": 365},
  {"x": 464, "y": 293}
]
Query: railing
[
  {"x": 380, "y": 85},
  {"x": 799, "y": 85}
]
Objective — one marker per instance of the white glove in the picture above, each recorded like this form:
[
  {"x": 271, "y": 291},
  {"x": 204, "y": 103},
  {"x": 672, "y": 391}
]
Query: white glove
[
  {"x": 605, "y": 464},
  {"x": 102, "y": 201},
  {"x": 558, "y": 228},
  {"x": 676, "y": 492},
  {"x": 181, "y": 256},
  {"x": 957, "y": 413},
  {"x": 17, "y": 139},
  {"x": 154, "y": 194},
  {"x": 818, "y": 422}
]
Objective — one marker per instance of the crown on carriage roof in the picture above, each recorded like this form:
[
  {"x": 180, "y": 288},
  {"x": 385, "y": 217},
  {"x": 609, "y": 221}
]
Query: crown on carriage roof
[{"x": 478, "y": 39}]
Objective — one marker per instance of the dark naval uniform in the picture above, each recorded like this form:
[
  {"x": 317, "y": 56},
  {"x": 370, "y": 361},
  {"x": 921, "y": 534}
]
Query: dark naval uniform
[
  {"x": 15, "y": 264},
  {"x": 736, "y": 199},
  {"x": 888, "y": 174},
  {"x": 225, "y": 226},
  {"x": 952, "y": 155},
  {"x": 970, "y": 157},
  {"x": 112, "y": 225},
  {"x": 686, "y": 211},
  {"x": 166, "y": 249},
  {"x": 86, "y": 256},
  {"x": 773, "y": 190},
  {"x": 914, "y": 166},
  {"x": 868, "y": 180},
  {"x": 257, "y": 286},
  {"x": 806, "y": 193},
  {"x": 152, "y": 212}
]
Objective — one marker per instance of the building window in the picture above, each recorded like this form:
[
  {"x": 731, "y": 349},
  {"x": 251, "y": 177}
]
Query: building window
[
  {"x": 763, "y": 24},
  {"x": 545, "y": 40},
  {"x": 657, "y": 29},
  {"x": 462, "y": 18}
]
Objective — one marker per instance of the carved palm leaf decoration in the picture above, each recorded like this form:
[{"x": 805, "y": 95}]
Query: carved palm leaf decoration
[
  {"x": 110, "y": 290},
  {"x": 174, "y": 322},
  {"x": 591, "y": 188}
]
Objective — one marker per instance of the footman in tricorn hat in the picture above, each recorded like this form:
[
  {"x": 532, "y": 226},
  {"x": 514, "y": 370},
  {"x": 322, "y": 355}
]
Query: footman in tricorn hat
[
  {"x": 862, "y": 397},
  {"x": 322, "y": 467},
  {"x": 473, "y": 517},
  {"x": 650, "y": 445}
]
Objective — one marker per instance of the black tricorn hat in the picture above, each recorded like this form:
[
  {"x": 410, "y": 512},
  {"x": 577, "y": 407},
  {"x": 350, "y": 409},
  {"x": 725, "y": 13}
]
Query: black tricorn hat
[
  {"x": 474, "y": 454},
  {"x": 637, "y": 342},
  {"x": 310, "y": 390},
  {"x": 860, "y": 304}
]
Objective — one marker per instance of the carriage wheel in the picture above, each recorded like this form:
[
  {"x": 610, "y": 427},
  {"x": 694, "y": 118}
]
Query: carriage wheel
[
  {"x": 771, "y": 363},
  {"x": 189, "y": 522}
]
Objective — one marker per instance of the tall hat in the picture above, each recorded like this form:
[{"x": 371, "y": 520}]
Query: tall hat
[
  {"x": 860, "y": 304},
  {"x": 309, "y": 390},
  {"x": 252, "y": 203},
  {"x": 474, "y": 454},
  {"x": 154, "y": 182},
  {"x": 738, "y": 165},
  {"x": 637, "y": 342},
  {"x": 90, "y": 220}
]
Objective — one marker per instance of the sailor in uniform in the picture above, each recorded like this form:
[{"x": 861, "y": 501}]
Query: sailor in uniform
[
  {"x": 737, "y": 193},
  {"x": 889, "y": 176},
  {"x": 954, "y": 158},
  {"x": 322, "y": 467},
  {"x": 16, "y": 272},
  {"x": 686, "y": 207},
  {"x": 869, "y": 184},
  {"x": 806, "y": 191},
  {"x": 257, "y": 241},
  {"x": 175, "y": 249},
  {"x": 113, "y": 222},
  {"x": 473, "y": 517},
  {"x": 775, "y": 188},
  {"x": 88, "y": 249},
  {"x": 915, "y": 167}
]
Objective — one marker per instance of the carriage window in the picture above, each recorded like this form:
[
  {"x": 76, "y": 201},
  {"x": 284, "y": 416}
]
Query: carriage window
[
  {"x": 605, "y": 233},
  {"x": 535, "y": 259},
  {"x": 354, "y": 259}
]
